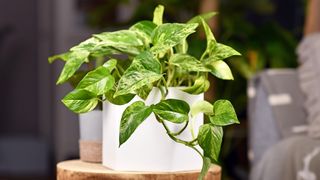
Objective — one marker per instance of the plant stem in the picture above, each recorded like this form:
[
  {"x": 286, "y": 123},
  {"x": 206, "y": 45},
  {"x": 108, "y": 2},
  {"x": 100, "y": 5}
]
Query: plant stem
[
  {"x": 117, "y": 72},
  {"x": 179, "y": 132},
  {"x": 187, "y": 143}
]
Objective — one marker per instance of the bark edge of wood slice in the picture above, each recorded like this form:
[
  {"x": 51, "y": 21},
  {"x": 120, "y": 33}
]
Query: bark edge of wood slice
[{"x": 79, "y": 170}]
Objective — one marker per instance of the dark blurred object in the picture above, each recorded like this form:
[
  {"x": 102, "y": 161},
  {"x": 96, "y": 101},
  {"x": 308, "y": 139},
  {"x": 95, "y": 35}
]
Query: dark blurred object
[
  {"x": 109, "y": 13},
  {"x": 23, "y": 157}
]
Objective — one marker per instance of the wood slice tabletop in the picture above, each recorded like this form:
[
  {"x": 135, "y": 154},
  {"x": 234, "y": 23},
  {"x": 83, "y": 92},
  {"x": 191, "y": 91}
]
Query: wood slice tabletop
[{"x": 79, "y": 170}]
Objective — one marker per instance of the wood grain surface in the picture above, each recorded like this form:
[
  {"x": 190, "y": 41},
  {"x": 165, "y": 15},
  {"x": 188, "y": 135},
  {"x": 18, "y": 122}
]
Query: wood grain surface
[{"x": 79, "y": 170}]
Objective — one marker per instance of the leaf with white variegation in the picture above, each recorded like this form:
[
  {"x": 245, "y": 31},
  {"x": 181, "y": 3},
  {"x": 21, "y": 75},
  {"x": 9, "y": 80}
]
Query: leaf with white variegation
[
  {"x": 131, "y": 118},
  {"x": 75, "y": 60},
  {"x": 98, "y": 81},
  {"x": 188, "y": 63},
  {"x": 210, "y": 139},
  {"x": 173, "y": 110},
  {"x": 223, "y": 114},
  {"x": 134, "y": 80},
  {"x": 169, "y": 35},
  {"x": 144, "y": 70},
  {"x": 126, "y": 41},
  {"x": 80, "y": 101},
  {"x": 221, "y": 52},
  {"x": 144, "y": 30},
  {"x": 220, "y": 69}
]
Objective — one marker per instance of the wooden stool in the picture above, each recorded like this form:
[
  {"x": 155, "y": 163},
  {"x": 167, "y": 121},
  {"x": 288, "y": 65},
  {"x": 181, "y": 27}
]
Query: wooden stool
[{"x": 78, "y": 170}]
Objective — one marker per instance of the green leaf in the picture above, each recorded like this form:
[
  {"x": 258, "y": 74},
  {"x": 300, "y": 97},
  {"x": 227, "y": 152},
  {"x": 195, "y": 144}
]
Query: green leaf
[
  {"x": 80, "y": 101},
  {"x": 211, "y": 41},
  {"x": 169, "y": 35},
  {"x": 200, "y": 85},
  {"x": 209, "y": 35},
  {"x": 146, "y": 61},
  {"x": 133, "y": 80},
  {"x": 102, "y": 50},
  {"x": 210, "y": 139},
  {"x": 110, "y": 64},
  {"x": 119, "y": 100},
  {"x": 98, "y": 81},
  {"x": 144, "y": 70},
  {"x": 172, "y": 110},
  {"x": 158, "y": 15},
  {"x": 87, "y": 45},
  {"x": 220, "y": 69},
  {"x": 63, "y": 57},
  {"x": 144, "y": 92},
  {"x": 221, "y": 52},
  {"x": 201, "y": 107},
  {"x": 131, "y": 118},
  {"x": 205, "y": 16},
  {"x": 188, "y": 63},
  {"x": 75, "y": 60},
  {"x": 224, "y": 114},
  {"x": 144, "y": 29},
  {"x": 126, "y": 41},
  {"x": 206, "y": 163}
]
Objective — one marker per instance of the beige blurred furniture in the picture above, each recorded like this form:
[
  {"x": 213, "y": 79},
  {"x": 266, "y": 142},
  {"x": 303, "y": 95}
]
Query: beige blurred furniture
[{"x": 78, "y": 170}]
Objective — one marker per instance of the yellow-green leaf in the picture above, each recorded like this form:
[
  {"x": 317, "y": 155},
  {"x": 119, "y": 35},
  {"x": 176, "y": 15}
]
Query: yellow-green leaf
[
  {"x": 210, "y": 139},
  {"x": 80, "y": 101},
  {"x": 223, "y": 114},
  {"x": 131, "y": 118}
]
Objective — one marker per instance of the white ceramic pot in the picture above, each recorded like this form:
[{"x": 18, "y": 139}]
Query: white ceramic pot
[
  {"x": 149, "y": 148},
  {"x": 90, "y": 143}
]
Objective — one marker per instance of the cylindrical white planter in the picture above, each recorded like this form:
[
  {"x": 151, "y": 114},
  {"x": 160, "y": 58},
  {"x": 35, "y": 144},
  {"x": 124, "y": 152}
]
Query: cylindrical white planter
[
  {"x": 90, "y": 143},
  {"x": 149, "y": 148}
]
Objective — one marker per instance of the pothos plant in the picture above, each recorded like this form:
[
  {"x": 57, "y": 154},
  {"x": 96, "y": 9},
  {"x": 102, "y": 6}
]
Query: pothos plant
[{"x": 153, "y": 55}]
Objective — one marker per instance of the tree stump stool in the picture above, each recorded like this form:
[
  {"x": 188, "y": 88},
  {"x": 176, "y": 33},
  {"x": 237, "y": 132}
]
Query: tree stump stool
[{"x": 79, "y": 170}]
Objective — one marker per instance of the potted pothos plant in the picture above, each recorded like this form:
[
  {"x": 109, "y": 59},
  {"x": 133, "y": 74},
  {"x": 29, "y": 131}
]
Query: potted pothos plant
[{"x": 157, "y": 83}]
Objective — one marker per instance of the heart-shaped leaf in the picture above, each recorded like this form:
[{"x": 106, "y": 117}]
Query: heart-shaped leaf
[
  {"x": 188, "y": 63},
  {"x": 131, "y": 118},
  {"x": 169, "y": 35},
  {"x": 172, "y": 110},
  {"x": 98, "y": 81},
  {"x": 125, "y": 41},
  {"x": 220, "y": 69},
  {"x": 223, "y": 114},
  {"x": 80, "y": 101},
  {"x": 221, "y": 52},
  {"x": 75, "y": 60},
  {"x": 210, "y": 139},
  {"x": 143, "y": 71}
]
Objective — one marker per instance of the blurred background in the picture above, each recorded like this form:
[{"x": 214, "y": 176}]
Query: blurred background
[{"x": 37, "y": 131}]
